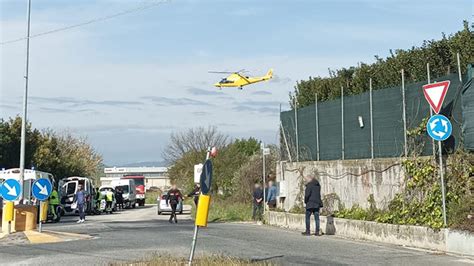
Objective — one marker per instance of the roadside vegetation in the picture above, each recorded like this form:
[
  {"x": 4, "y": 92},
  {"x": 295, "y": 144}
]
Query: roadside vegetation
[
  {"x": 236, "y": 168},
  {"x": 213, "y": 260},
  {"x": 227, "y": 211},
  {"x": 62, "y": 154},
  {"x": 441, "y": 54},
  {"x": 420, "y": 202}
]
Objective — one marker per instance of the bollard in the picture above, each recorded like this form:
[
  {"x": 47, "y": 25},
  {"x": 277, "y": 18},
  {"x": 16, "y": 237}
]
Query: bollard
[
  {"x": 43, "y": 214},
  {"x": 8, "y": 212}
]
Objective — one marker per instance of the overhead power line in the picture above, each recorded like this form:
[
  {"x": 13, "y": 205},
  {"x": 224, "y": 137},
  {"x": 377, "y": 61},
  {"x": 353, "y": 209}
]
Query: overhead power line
[{"x": 99, "y": 19}]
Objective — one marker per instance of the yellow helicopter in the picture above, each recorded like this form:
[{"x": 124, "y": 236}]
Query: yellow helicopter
[{"x": 239, "y": 80}]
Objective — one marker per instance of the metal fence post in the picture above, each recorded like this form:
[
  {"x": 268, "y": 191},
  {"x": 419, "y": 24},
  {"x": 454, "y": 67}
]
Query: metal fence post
[
  {"x": 342, "y": 121},
  {"x": 371, "y": 120},
  {"x": 459, "y": 66},
  {"x": 286, "y": 142},
  {"x": 317, "y": 125},
  {"x": 296, "y": 132},
  {"x": 404, "y": 114}
]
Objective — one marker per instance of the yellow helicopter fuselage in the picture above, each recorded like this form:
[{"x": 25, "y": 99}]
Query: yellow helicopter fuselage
[{"x": 238, "y": 80}]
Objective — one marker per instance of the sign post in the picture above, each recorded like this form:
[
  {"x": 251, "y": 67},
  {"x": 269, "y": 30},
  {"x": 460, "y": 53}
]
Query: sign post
[
  {"x": 42, "y": 188},
  {"x": 10, "y": 190},
  {"x": 438, "y": 127},
  {"x": 202, "y": 210}
]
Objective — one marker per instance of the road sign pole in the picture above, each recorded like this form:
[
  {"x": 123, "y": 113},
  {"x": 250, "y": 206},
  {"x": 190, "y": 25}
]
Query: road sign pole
[
  {"x": 39, "y": 216},
  {"x": 433, "y": 145},
  {"x": 193, "y": 247},
  {"x": 441, "y": 174},
  {"x": 196, "y": 227}
]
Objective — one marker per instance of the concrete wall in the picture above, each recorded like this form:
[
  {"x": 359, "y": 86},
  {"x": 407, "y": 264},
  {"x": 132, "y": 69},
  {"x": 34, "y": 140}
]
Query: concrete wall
[
  {"x": 414, "y": 236},
  {"x": 351, "y": 180}
]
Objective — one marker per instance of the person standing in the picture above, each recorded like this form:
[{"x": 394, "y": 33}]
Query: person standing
[
  {"x": 173, "y": 197},
  {"x": 313, "y": 202},
  {"x": 119, "y": 198},
  {"x": 195, "y": 193},
  {"x": 109, "y": 199},
  {"x": 80, "y": 200},
  {"x": 54, "y": 203},
  {"x": 257, "y": 203},
  {"x": 271, "y": 196}
]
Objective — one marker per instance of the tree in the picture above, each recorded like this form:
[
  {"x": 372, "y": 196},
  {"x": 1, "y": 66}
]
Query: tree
[
  {"x": 385, "y": 72},
  {"x": 10, "y": 142},
  {"x": 65, "y": 155},
  {"x": 232, "y": 155},
  {"x": 193, "y": 140},
  {"x": 62, "y": 155}
]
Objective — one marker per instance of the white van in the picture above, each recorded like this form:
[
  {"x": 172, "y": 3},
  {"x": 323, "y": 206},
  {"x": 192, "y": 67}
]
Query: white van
[
  {"x": 30, "y": 176},
  {"x": 69, "y": 187},
  {"x": 129, "y": 191}
]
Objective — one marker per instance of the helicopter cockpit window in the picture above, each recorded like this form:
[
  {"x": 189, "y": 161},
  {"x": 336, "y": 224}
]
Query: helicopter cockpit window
[{"x": 224, "y": 80}]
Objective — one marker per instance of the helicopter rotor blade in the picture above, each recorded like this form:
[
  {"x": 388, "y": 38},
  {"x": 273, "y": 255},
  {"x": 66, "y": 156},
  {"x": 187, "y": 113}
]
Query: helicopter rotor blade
[{"x": 221, "y": 72}]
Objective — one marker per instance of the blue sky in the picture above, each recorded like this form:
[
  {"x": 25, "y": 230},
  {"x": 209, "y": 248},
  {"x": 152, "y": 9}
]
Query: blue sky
[{"x": 128, "y": 82}]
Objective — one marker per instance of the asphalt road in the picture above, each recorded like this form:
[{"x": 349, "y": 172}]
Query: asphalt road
[{"x": 140, "y": 233}]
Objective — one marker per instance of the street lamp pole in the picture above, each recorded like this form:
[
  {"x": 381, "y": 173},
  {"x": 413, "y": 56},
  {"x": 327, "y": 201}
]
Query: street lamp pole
[{"x": 25, "y": 101}]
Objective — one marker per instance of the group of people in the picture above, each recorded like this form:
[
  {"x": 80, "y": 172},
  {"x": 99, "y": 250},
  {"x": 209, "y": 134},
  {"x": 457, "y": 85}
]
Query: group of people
[
  {"x": 258, "y": 199},
  {"x": 81, "y": 198},
  {"x": 312, "y": 201}
]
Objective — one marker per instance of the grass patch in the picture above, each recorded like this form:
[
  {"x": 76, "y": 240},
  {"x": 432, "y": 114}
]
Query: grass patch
[
  {"x": 213, "y": 260},
  {"x": 228, "y": 211},
  {"x": 151, "y": 197}
]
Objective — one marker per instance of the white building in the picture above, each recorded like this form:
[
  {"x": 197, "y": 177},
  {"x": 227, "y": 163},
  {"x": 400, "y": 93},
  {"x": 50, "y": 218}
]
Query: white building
[{"x": 154, "y": 176}]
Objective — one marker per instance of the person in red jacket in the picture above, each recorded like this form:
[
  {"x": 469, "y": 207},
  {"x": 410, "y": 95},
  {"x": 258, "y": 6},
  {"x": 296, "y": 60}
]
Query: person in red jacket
[{"x": 173, "y": 197}]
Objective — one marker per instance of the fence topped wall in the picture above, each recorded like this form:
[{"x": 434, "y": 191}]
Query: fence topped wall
[{"x": 322, "y": 122}]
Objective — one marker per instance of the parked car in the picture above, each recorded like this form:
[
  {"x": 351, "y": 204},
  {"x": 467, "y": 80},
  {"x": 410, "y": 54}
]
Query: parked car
[{"x": 162, "y": 207}]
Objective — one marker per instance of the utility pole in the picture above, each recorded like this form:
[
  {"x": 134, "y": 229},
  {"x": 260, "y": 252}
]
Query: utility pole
[{"x": 25, "y": 102}]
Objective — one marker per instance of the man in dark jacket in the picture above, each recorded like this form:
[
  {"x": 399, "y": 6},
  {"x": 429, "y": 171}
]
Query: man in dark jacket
[
  {"x": 195, "y": 193},
  {"x": 312, "y": 200},
  {"x": 173, "y": 197},
  {"x": 257, "y": 202}
]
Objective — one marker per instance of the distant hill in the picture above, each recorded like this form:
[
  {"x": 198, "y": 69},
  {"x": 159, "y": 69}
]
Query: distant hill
[{"x": 145, "y": 164}]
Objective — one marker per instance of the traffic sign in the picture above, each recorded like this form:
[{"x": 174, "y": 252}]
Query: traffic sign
[
  {"x": 206, "y": 177},
  {"x": 42, "y": 189},
  {"x": 10, "y": 190},
  {"x": 266, "y": 151},
  {"x": 197, "y": 172},
  {"x": 439, "y": 127},
  {"x": 435, "y": 93}
]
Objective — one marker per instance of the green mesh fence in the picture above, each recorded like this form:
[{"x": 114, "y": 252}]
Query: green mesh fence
[
  {"x": 468, "y": 110},
  {"x": 387, "y": 123}
]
